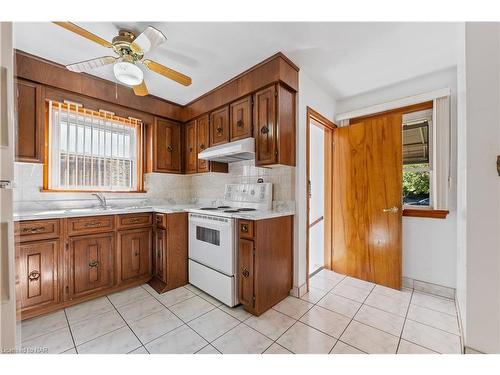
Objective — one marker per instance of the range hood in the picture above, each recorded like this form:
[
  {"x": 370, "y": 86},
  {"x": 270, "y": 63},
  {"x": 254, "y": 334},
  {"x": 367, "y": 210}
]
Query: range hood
[{"x": 231, "y": 152}]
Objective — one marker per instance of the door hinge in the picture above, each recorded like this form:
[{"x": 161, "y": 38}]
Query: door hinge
[
  {"x": 66, "y": 246},
  {"x": 276, "y": 152}
]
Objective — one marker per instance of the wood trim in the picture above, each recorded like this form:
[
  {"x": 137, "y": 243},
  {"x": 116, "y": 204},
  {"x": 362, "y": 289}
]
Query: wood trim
[
  {"x": 317, "y": 221},
  {"x": 311, "y": 113},
  {"x": 402, "y": 110},
  {"x": 428, "y": 213},
  {"x": 49, "y": 73}
]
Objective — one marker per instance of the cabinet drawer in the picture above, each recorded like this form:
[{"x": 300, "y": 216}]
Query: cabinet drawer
[
  {"x": 245, "y": 228},
  {"x": 161, "y": 220},
  {"x": 92, "y": 224},
  {"x": 34, "y": 230},
  {"x": 135, "y": 220}
]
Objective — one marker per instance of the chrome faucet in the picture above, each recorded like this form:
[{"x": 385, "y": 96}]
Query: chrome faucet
[{"x": 102, "y": 200}]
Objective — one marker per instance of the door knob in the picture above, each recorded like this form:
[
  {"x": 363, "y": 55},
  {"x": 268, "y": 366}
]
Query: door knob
[{"x": 392, "y": 210}]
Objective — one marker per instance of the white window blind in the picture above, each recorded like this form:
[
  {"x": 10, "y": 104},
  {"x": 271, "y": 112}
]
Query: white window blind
[{"x": 91, "y": 150}]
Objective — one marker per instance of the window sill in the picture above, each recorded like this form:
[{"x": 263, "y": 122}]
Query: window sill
[
  {"x": 425, "y": 212},
  {"x": 91, "y": 191}
]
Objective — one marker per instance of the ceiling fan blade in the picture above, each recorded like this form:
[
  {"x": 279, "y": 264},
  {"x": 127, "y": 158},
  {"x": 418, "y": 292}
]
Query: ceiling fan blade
[
  {"x": 141, "y": 89},
  {"x": 148, "y": 40},
  {"x": 87, "y": 65},
  {"x": 167, "y": 72},
  {"x": 84, "y": 33}
]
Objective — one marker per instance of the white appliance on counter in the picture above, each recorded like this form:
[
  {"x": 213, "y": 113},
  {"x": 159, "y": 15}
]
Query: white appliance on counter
[
  {"x": 213, "y": 241},
  {"x": 7, "y": 279}
]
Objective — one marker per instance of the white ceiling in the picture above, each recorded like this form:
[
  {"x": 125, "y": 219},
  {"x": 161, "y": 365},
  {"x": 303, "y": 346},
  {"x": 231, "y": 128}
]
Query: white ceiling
[{"x": 346, "y": 59}]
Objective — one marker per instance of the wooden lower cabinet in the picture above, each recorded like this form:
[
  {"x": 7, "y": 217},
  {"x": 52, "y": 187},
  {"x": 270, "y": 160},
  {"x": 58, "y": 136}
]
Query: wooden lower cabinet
[
  {"x": 37, "y": 274},
  {"x": 265, "y": 262},
  {"x": 134, "y": 247},
  {"x": 91, "y": 260},
  {"x": 171, "y": 252}
]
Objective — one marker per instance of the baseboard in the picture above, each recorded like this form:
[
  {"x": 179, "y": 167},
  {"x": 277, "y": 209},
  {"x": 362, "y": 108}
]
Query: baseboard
[
  {"x": 299, "y": 291},
  {"x": 472, "y": 351},
  {"x": 429, "y": 288}
]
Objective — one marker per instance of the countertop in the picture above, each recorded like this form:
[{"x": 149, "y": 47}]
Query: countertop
[{"x": 165, "y": 209}]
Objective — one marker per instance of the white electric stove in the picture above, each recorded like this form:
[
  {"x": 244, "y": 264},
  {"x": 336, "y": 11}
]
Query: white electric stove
[{"x": 213, "y": 240}]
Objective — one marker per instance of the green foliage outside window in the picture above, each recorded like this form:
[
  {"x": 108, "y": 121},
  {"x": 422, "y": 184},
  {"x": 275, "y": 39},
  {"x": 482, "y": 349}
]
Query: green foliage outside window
[{"x": 415, "y": 183}]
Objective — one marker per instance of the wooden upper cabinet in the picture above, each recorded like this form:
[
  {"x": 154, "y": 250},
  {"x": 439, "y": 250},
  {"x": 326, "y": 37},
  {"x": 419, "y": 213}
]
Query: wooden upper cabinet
[
  {"x": 265, "y": 126},
  {"x": 91, "y": 264},
  {"x": 30, "y": 114},
  {"x": 135, "y": 247},
  {"x": 166, "y": 146},
  {"x": 202, "y": 140},
  {"x": 240, "y": 119},
  {"x": 36, "y": 275},
  {"x": 274, "y": 126},
  {"x": 219, "y": 126},
  {"x": 191, "y": 149}
]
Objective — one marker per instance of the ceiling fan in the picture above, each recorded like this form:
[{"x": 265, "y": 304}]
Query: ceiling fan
[{"x": 130, "y": 50}]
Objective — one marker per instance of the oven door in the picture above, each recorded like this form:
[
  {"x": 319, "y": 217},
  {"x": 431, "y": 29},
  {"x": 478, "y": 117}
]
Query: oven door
[{"x": 211, "y": 242}]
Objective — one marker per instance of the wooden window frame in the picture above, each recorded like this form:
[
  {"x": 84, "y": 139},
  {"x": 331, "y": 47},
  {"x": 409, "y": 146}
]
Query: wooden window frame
[{"x": 140, "y": 150}]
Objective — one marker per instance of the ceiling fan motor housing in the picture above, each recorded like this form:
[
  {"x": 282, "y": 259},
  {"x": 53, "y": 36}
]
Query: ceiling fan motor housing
[{"x": 122, "y": 46}]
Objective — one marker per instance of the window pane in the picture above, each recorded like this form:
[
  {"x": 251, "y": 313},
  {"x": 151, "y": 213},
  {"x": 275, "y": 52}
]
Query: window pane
[
  {"x": 416, "y": 185},
  {"x": 416, "y": 143}
]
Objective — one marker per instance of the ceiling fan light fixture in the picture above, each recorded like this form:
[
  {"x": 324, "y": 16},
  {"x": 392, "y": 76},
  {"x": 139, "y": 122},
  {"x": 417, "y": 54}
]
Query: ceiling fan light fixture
[{"x": 128, "y": 73}]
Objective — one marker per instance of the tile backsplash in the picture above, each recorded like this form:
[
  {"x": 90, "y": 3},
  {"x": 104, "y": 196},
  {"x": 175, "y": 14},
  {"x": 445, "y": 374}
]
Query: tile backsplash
[{"x": 160, "y": 188}]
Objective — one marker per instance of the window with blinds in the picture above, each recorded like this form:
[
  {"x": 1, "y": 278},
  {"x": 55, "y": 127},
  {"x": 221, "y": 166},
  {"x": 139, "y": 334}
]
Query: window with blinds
[{"x": 92, "y": 150}]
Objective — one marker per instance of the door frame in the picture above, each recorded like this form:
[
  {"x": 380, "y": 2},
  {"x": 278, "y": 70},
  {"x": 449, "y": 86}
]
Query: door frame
[{"x": 328, "y": 125}]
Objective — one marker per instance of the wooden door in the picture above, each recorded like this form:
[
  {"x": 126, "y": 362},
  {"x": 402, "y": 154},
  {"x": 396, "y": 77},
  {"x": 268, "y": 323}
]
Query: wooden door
[
  {"x": 202, "y": 139},
  {"x": 246, "y": 272},
  {"x": 167, "y": 143},
  {"x": 265, "y": 126},
  {"x": 366, "y": 205},
  {"x": 219, "y": 126},
  {"x": 29, "y": 126},
  {"x": 91, "y": 263},
  {"x": 161, "y": 254},
  {"x": 240, "y": 118},
  {"x": 135, "y": 253},
  {"x": 37, "y": 265},
  {"x": 191, "y": 149}
]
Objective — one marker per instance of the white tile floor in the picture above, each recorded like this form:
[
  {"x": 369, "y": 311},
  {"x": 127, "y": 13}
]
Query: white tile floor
[{"x": 339, "y": 315}]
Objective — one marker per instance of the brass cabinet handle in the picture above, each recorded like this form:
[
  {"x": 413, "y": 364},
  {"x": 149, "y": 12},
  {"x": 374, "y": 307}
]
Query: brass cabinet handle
[
  {"x": 245, "y": 272},
  {"x": 170, "y": 148},
  {"x": 93, "y": 263},
  {"x": 391, "y": 210},
  {"x": 239, "y": 123},
  {"x": 159, "y": 219},
  {"x": 219, "y": 130},
  {"x": 32, "y": 229},
  {"x": 264, "y": 129},
  {"x": 33, "y": 275},
  {"x": 244, "y": 228},
  {"x": 202, "y": 146},
  {"x": 93, "y": 224}
]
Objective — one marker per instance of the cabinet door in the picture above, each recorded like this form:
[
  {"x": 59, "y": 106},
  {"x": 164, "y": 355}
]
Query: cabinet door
[
  {"x": 37, "y": 264},
  {"x": 265, "y": 126},
  {"x": 161, "y": 255},
  {"x": 219, "y": 126},
  {"x": 246, "y": 272},
  {"x": 135, "y": 253},
  {"x": 191, "y": 147},
  {"x": 167, "y": 144},
  {"x": 202, "y": 140},
  {"x": 240, "y": 116},
  {"x": 29, "y": 127},
  {"x": 91, "y": 263}
]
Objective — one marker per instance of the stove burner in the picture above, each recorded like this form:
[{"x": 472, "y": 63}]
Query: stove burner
[
  {"x": 231, "y": 211},
  {"x": 222, "y": 207},
  {"x": 208, "y": 208},
  {"x": 246, "y": 209}
]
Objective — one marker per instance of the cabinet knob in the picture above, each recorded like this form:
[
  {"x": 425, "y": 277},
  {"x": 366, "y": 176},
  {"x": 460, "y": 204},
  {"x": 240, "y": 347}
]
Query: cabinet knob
[
  {"x": 239, "y": 123},
  {"x": 202, "y": 146},
  {"x": 264, "y": 129},
  {"x": 219, "y": 130},
  {"x": 245, "y": 272},
  {"x": 93, "y": 263},
  {"x": 244, "y": 228},
  {"x": 33, "y": 275},
  {"x": 170, "y": 148},
  {"x": 32, "y": 229}
]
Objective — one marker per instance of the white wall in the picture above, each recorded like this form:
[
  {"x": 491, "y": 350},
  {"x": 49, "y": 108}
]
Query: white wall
[
  {"x": 480, "y": 210},
  {"x": 429, "y": 245},
  {"x": 310, "y": 95}
]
